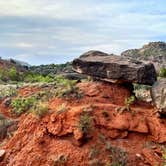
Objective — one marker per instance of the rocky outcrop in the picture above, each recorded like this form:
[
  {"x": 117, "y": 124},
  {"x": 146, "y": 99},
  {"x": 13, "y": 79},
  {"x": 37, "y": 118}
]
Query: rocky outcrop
[
  {"x": 158, "y": 93},
  {"x": 114, "y": 68},
  {"x": 2, "y": 153},
  {"x": 6, "y": 126},
  {"x": 154, "y": 52},
  {"x": 74, "y": 76}
]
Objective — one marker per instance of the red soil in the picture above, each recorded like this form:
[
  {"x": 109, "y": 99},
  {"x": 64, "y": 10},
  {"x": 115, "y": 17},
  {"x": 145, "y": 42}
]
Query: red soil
[
  {"x": 27, "y": 91},
  {"x": 42, "y": 142}
]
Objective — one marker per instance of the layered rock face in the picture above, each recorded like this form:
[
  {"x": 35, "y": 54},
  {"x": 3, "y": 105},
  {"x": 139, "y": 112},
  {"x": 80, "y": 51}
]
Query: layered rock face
[
  {"x": 158, "y": 93},
  {"x": 114, "y": 69}
]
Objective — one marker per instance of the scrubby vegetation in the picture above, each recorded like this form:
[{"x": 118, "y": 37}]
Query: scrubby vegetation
[
  {"x": 37, "y": 102},
  {"x": 67, "y": 88},
  {"x": 51, "y": 69},
  {"x": 164, "y": 157},
  {"x": 62, "y": 108},
  {"x": 162, "y": 72},
  {"x": 14, "y": 75},
  {"x": 7, "y": 91},
  {"x": 40, "y": 109},
  {"x": 34, "y": 77},
  {"x": 10, "y": 74},
  {"x": 21, "y": 104},
  {"x": 85, "y": 123},
  {"x": 128, "y": 101},
  {"x": 118, "y": 156},
  {"x": 127, "y": 104}
]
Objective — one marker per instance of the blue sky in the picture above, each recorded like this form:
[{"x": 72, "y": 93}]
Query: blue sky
[{"x": 57, "y": 31}]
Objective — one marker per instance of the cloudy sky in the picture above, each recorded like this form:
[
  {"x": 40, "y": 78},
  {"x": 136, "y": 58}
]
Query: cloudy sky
[{"x": 56, "y": 31}]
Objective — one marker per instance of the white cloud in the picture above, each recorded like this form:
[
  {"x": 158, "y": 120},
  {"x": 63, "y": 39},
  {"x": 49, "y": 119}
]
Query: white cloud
[
  {"x": 23, "y": 57},
  {"x": 67, "y": 28},
  {"x": 24, "y": 45}
]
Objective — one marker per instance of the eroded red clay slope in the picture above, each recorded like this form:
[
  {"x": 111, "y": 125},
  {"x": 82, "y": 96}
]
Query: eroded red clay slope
[{"x": 56, "y": 139}]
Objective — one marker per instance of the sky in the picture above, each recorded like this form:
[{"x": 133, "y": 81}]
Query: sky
[{"x": 57, "y": 31}]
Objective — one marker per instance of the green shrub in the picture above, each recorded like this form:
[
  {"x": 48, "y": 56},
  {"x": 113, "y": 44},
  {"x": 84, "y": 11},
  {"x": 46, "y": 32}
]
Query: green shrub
[
  {"x": 13, "y": 75},
  {"x": 130, "y": 100},
  {"x": 22, "y": 104},
  {"x": 33, "y": 77},
  {"x": 3, "y": 75},
  {"x": 162, "y": 72}
]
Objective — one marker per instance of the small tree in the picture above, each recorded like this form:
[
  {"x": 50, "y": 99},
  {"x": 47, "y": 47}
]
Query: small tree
[
  {"x": 162, "y": 72},
  {"x": 13, "y": 75}
]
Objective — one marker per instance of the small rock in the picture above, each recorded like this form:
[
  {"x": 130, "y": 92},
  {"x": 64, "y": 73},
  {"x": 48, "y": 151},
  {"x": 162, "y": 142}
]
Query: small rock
[
  {"x": 138, "y": 156},
  {"x": 2, "y": 153},
  {"x": 7, "y": 102}
]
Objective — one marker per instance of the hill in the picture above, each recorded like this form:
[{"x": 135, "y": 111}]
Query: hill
[
  {"x": 86, "y": 123},
  {"x": 154, "y": 52}
]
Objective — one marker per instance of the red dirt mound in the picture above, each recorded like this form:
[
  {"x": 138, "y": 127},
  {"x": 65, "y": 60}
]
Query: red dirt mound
[{"x": 89, "y": 131}]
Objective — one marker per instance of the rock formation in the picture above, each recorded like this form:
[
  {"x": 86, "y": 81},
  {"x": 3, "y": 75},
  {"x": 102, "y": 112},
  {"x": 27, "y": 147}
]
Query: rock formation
[
  {"x": 114, "y": 68},
  {"x": 158, "y": 93},
  {"x": 154, "y": 52},
  {"x": 96, "y": 123}
]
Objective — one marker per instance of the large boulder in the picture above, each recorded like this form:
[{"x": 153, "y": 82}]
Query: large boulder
[
  {"x": 158, "y": 93},
  {"x": 114, "y": 68}
]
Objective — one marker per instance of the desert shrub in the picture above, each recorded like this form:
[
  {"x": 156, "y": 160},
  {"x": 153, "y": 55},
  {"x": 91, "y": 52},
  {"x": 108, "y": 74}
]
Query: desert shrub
[
  {"x": 9, "y": 75},
  {"x": 85, "y": 123},
  {"x": 40, "y": 109},
  {"x": 7, "y": 91},
  {"x": 62, "y": 108},
  {"x": 94, "y": 151},
  {"x": 3, "y": 75},
  {"x": 162, "y": 72},
  {"x": 13, "y": 75},
  {"x": 27, "y": 77},
  {"x": 164, "y": 157},
  {"x": 22, "y": 104},
  {"x": 67, "y": 88},
  {"x": 128, "y": 101},
  {"x": 118, "y": 156}
]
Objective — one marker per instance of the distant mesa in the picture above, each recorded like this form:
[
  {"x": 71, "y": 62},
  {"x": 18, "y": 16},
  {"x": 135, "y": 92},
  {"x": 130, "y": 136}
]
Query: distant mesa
[{"x": 114, "y": 68}]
